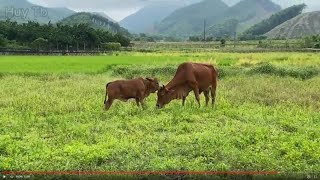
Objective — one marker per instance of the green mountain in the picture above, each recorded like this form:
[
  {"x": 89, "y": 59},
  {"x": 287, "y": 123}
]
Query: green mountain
[
  {"x": 145, "y": 19},
  {"x": 95, "y": 21},
  {"x": 24, "y": 11},
  {"x": 104, "y": 15},
  {"x": 189, "y": 20},
  {"x": 276, "y": 19},
  {"x": 251, "y": 10},
  {"x": 306, "y": 24},
  {"x": 225, "y": 29}
]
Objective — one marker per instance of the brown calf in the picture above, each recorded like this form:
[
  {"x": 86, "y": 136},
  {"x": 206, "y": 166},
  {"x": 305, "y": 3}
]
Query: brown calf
[
  {"x": 124, "y": 90},
  {"x": 194, "y": 77}
]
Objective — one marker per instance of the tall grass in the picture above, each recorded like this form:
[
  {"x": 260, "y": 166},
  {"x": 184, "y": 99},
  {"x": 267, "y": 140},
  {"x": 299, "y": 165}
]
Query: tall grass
[{"x": 266, "y": 117}]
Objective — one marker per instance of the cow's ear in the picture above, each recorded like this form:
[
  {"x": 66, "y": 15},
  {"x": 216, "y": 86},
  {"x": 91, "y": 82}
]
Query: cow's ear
[
  {"x": 169, "y": 90},
  {"x": 150, "y": 79}
]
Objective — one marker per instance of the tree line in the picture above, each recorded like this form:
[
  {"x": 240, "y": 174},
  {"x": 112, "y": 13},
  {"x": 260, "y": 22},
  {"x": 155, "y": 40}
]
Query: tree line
[{"x": 56, "y": 36}]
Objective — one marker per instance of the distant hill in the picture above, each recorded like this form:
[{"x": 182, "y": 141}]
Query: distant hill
[
  {"x": 306, "y": 24},
  {"x": 231, "y": 2},
  {"x": 250, "y": 12},
  {"x": 225, "y": 29},
  {"x": 104, "y": 15},
  {"x": 189, "y": 20},
  {"x": 145, "y": 19},
  {"x": 32, "y": 12},
  {"x": 259, "y": 29},
  {"x": 95, "y": 21}
]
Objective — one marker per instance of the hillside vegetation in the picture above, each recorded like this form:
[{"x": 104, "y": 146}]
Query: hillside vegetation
[
  {"x": 273, "y": 21},
  {"x": 94, "y": 21},
  {"x": 60, "y": 37},
  {"x": 189, "y": 20},
  {"x": 306, "y": 24},
  {"x": 146, "y": 18}
]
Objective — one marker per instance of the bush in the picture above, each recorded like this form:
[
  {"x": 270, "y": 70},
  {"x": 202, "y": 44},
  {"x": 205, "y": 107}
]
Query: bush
[
  {"x": 39, "y": 43},
  {"x": 3, "y": 41},
  {"x": 223, "y": 42},
  {"x": 301, "y": 73},
  {"x": 111, "y": 46}
]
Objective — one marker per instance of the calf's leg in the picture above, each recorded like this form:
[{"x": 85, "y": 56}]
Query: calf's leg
[
  {"x": 108, "y": 104},
  {"x": 140, "y": 98}
]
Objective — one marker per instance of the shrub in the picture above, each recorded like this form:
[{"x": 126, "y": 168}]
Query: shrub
[
  {"x": 302, "y": 73},
  {"x": 111, "y": 46}
]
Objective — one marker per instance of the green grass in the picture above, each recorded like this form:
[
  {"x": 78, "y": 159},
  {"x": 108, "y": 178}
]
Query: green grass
[{"x": 266, "y": 116}]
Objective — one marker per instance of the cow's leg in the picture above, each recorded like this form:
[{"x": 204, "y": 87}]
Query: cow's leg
[
  {"x": 183, "y": 100},
  {"x": 206, "y": 94},
  {"x": 213, "y": 91},
  {"x": 195, "y": 89},
  {"x": 108, "y": 104},
  {"x": 138, "y": 101}
]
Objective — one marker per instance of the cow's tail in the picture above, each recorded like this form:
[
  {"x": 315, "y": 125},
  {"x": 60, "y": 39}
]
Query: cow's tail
[
  {"x": 215, "y": 75},
  {"x": 105, "y": 99}
]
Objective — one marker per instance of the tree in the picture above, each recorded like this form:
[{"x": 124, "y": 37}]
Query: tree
[
  {"x": 60, "y": 36},
  {"x": 39, "y": 43},
  {"x": 223, "y": 42},
  {"x": 3, "y": 41},
  {"x": 194, "y": 38}
]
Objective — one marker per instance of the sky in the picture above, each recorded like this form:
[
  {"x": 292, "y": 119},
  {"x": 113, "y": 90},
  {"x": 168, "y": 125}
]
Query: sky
[{"x": 119, "y": 9}]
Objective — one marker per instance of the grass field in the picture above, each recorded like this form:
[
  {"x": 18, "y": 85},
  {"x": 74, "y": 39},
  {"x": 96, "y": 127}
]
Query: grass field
[{"x": 267, "y": 115}]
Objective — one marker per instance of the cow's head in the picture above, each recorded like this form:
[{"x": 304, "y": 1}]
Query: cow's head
[
  {"x": 164, "y": 96},
  {"x": 152, "y": 84}
]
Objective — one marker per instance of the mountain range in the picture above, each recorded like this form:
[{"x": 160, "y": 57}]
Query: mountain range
[
  {"x": 96, "y": 21},
  {"x": 23, "y": 11},
  {"x": 145, "y": 20},
  {"x": 306, "y": 24},
  {"x": 189, "y": 20}
]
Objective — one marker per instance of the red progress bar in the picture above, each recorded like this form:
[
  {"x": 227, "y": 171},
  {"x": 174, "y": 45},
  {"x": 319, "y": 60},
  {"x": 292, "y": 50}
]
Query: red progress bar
[{"x": 137, "y": 173}]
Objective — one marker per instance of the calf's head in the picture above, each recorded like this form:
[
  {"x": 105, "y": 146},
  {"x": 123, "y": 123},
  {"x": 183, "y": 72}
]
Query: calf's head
[
  {"x": 152, "y": 84},
  {"x": 164, "y": 97}
]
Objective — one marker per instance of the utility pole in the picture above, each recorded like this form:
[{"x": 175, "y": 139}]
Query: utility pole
[
  {"x": 204, "y": 30},
  {"x": 234, "y": 39}
]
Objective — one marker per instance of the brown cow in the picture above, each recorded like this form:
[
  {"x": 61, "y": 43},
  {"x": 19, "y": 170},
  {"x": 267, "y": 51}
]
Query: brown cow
[
  {"x": 124, "y": 90},
  {"x": 194, "y": 77}
]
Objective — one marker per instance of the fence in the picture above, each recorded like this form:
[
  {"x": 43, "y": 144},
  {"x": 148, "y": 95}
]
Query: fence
[
  {"x": 9, "y": 51},
  {"x": 191, "y": 47}
]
